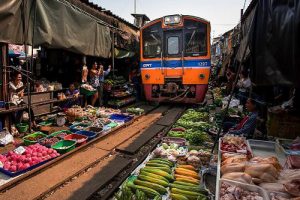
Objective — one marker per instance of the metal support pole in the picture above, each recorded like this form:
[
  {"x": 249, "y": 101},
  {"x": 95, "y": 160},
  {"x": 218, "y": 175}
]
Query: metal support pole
[
  {"x": 134, "y": 6},
  {"x": 32, "y": 46},
  {"x": 113, "y": 52}
]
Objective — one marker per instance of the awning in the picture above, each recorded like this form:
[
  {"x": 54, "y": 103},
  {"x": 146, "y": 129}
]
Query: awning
[
  {"x": 58, "y": 25},
  {"x": 246, "y": 27},
  {"x": 120, "y": 53}
]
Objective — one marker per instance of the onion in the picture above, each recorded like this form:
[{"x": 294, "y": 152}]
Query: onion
[
  {"x": 172, "y": 158},
  {"x": 194, "y": 153},
  {"x": 193, "y": 159}
]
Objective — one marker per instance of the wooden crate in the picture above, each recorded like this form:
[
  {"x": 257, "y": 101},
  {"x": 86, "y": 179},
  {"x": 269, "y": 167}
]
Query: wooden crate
[{"x": 283, "y": 125}]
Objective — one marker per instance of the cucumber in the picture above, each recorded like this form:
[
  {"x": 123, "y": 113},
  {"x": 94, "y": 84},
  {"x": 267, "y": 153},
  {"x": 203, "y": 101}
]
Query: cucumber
[
  {"x": 153, "y": 186},
  {"x": 153, "y": 180},
  {"x": 189, "y": 188},
  {"x": 166, "y": 169},
  {"x": 189, "y": 194},
  {"x": 178, "y": 197},
  {"x": 185, "y": 183},
  {"x": 148, "y": 191},
  {"x": 154, "y": 176},
  {"x": 161, "y": 161},
  {"x": 159, "y": 172},
  {"x": 150, "y": 164}
]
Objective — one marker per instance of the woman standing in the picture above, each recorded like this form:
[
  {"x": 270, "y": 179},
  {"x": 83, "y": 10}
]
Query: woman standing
[
  {"x": 94, "y": 80},
  {"x": 102, "y": 75}
]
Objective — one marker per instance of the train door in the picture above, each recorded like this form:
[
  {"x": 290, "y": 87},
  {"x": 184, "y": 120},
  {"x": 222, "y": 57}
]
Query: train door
[{"x": 173, "y": 66}]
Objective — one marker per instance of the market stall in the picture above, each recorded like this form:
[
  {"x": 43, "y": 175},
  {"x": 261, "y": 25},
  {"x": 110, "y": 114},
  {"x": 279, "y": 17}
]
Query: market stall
[
  {"x": 244, "y": 169},
  {"x": 120, "y": 92},
  {"x": 175, "y": 168},
  {"x": 59, "y": 134}
]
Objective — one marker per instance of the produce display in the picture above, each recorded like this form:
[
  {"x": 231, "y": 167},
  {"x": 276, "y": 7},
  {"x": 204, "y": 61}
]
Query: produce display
[
  {"x": 195, "y": 158},
  {"x": 89, "y": 120},
  {"x": 88, "y": 87},
  {"x": 33, "y": 154},
  {"x": 34, "y": 138},
  {"x": 62, "y": 135},
  {"x": 79, "y": 127},
  {"x": 120, "y": 94},
  {"x": 160, "y": 178},
  {"x": 171, "y": 152},
  {"x": 193, "y": 136},
  {"x": 192, "y": 125},
  {"x": 121, "y": 102},
  {"x": 136, "y": 111},
  {"x": 50, "y": 141}
]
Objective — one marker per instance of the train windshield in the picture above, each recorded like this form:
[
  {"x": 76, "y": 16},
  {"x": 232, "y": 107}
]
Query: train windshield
[
  {"x": 195, "y": 38},
  {"x": 152, "y": 41}
]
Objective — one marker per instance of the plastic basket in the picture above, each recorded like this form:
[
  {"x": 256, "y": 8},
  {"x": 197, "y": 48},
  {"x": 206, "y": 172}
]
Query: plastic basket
[
  {"x": 64, "y": 146},
  {"x": 46, "y": 123},
  {"x": 251, "y": 188},
  {"x": 55, "y": 134},
  {"x": 41, "y": 141},
  {"x": 120, "y": 117},
  {"x": 87, "y": 92},
  {"x": 22, "y": 127},
  {"x": 97, "y": 130},
  {"x": 89, "y": 134},
  {"x": 34, "y": 135},
  {"x": 13, "y": 174},
  {"x": 74, "y": 129},
  {"x": 112, "y": 124},
  {"x": 79, "y": 139}
]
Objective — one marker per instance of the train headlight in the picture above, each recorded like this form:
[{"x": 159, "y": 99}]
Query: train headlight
[
  {"x": 147, "y": 76},
  {"x": 202, "y": 76},
  {"x": 172, "y": 19}
]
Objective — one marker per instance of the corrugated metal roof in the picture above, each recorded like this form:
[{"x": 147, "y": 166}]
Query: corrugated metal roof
[
  {"x": 249, "y": 9},
  {"x": 109, "y": 13}
]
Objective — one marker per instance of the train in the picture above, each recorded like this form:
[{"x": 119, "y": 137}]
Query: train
[{"x": 175, "y": 59}]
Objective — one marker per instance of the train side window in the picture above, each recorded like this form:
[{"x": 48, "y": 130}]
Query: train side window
[
  {"x": 173, "y": 45},
  {"x": 195, "y": 38},
  {"x": 195, "y": 43}
]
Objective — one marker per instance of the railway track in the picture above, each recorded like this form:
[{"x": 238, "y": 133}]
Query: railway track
[{"x": 95, "y": 170}]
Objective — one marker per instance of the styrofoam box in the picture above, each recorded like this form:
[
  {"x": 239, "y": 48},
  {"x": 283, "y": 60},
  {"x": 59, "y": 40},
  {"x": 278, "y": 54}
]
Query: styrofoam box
[{"x": 252, "y": 188}]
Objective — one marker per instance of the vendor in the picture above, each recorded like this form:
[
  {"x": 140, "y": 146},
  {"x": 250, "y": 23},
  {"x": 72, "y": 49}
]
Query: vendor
[
  {"x": 16, "y": 91},
  {"x": 247, "y": 126},
  {"x": 230, "y": 75},
  {"x": 94, "y": 81},
  {"x": 244, "y": 85},
  {"x": 102, "y": 75},
  {"x": 135, "y": 78},
  {"x": 38, "y": 87},
  {"x": 72, "y": 91},
  {"x": 72, "y": 94},
  {"x": 84, "y": 73}
]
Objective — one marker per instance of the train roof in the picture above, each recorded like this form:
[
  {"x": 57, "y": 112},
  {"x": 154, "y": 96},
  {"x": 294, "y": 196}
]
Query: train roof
[{"x": 152, "y": 21}]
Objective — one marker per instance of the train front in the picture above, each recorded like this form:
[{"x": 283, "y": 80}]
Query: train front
[{"x": 175, "y": 59}]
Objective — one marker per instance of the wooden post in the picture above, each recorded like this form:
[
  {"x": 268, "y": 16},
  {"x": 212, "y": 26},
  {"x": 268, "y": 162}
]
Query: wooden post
[
  {"x": 4, "y": 63},
  {"x": 4, "y": 93}
]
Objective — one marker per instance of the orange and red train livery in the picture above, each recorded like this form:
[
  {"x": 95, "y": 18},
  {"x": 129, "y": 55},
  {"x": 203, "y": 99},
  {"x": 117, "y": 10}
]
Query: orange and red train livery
[{"x": 175, "y": 59}]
